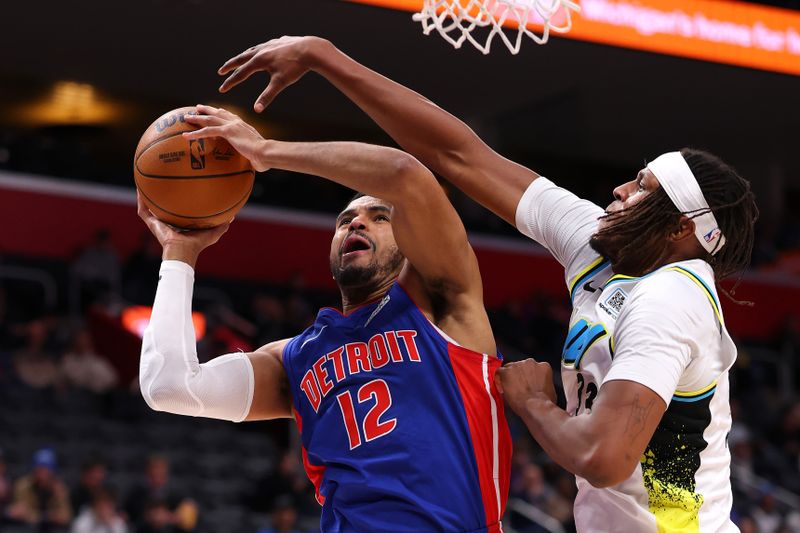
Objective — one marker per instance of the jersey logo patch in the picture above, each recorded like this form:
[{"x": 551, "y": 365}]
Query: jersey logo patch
[
  {"x": 314, "y": 337},
  {"x": 378, "y": 309},
  {"x": 613, "y": 304},
  {"x": 588, "y": 287}
]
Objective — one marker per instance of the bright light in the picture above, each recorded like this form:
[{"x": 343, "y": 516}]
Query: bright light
[{"x": 70, "y": 102}]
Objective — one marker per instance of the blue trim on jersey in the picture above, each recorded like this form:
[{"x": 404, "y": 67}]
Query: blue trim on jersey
[
  {"x": 591, "y": 272},
  {"x": 695, "y": 398}
]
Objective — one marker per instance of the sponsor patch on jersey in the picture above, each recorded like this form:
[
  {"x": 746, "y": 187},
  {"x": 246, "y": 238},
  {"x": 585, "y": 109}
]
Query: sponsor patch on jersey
[{"x": 614, "y": 302}]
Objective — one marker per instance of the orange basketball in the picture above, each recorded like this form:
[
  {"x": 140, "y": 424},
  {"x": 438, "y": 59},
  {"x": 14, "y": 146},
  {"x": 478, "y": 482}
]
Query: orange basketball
[{"x": 190, "y": 184}]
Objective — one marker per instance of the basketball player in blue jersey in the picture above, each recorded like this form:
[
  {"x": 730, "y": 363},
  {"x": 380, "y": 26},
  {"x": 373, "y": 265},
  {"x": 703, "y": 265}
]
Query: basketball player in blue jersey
[
  {"x": 402, "y": 425},
  {"x": 646, "y": 359}
]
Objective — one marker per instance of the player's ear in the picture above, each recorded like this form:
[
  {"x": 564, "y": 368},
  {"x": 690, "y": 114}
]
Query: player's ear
[{"x": 684, "y": 229}]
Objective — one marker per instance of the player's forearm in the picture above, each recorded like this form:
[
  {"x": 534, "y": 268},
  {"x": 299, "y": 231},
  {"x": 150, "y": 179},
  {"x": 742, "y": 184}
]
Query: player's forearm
[
  {"x": 180, "y": 252},
  {"x": 422, "y": 128},
  {"x": 374, "y": 170},
  {"x": 442, "y": 142},
  {"x": 573, "y": 442},
  {"x": 170, "y": 376}
]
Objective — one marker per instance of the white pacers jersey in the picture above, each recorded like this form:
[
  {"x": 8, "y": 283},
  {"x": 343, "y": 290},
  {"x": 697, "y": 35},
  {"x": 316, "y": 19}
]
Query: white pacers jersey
[{"x": 664, "y": 330}]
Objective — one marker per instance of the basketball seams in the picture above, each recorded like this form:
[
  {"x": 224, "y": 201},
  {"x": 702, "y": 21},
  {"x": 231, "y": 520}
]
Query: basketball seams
[
  {"x": 205, "y": 176},
  {"x": 234, "y": 206}
]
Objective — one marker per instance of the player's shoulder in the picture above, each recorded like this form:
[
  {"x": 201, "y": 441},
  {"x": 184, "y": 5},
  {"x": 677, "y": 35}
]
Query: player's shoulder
[{"x": 686, "y": 286}]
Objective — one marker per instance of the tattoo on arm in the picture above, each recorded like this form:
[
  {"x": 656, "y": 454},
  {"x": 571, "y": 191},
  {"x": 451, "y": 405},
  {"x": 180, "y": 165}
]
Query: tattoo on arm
[{"x": 637, "y": 417}]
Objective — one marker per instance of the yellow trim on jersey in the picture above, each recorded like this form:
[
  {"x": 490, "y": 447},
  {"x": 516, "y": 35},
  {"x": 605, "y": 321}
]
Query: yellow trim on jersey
[
  {"x": 616, "y": 277},
  {"x": 692, "y": 276},
  {"x": 585, "y": 270},
  {"x": 591, "y": 266},
  {"x": 698, "y": 392}
]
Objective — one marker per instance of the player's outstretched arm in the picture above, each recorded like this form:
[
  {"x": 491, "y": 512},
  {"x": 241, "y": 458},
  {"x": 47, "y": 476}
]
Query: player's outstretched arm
[
  {"x": 439, "y": 140},
  {"x": 426, "y": 227},
  {"x": 606, "y": 443},
  {"x": 230, "y": 387}
]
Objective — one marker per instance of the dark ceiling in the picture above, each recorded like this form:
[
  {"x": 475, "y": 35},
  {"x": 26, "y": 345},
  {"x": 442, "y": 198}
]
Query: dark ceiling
[{"x": 566, "y": 107}]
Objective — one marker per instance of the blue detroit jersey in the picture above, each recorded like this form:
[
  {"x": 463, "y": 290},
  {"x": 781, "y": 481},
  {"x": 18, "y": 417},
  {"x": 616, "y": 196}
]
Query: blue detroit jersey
[{"x": 402, "y": 430}]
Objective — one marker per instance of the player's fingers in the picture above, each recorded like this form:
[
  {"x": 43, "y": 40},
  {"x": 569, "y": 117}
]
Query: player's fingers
[
  {"x": 141, "y": 209},
  {"x": 238, "y": 60},
  {"x": 203, "y": 133},
  {"x": 220, "y": 230},
  {"x": 224, "y": 113},
  {"x": 204, "y": 120},
  {"x": 238, "y": 76},
  {"x": 498, "y": 381},
  {"x": 268, "y": 95},
  {"x": 205, "y": 109}
]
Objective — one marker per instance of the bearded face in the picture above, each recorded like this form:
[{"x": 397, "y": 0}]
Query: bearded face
[
  {"x": 633, "y": 233},
  {"x": 363, "y": 249}
]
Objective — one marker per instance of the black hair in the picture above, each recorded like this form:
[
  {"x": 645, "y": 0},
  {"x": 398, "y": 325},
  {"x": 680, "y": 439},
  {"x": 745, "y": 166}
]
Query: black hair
[
  {"x": 733, "y": 203},
  {"x": 644, "y": 226}
]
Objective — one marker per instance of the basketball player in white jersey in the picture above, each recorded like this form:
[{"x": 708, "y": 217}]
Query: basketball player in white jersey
[{"x": 646, "y": 359}]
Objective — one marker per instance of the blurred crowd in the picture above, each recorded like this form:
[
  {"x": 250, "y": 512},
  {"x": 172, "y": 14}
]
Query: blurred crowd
[{"x": 55, "y": 380}]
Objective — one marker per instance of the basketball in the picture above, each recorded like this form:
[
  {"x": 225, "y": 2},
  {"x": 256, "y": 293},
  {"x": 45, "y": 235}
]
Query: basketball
[{"x": 190, "y": 184}]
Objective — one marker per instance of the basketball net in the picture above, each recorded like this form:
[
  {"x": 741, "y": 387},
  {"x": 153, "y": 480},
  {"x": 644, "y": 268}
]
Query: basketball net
[{"x": 479, "y": 21}]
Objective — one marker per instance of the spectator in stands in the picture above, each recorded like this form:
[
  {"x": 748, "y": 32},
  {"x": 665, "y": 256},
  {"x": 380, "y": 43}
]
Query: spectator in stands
[
  {"x": 287, "y": 479},
  {"x": 156, "y": 518},
  {"x": 94, "y": 472},
  {"x": 766, "y": 514},
  {"x": 284, "y": 516},
  {"x": 534, "y": 489},
  {"x": 269, "y": 318},
  {"x": 748, "y": 525},
  {"x": 156, "y": 488},
  {"x": 96, "y": 272},
  {"x": 101, "y": 516},
  {"x": 34, "y": 365},
  {"x": 41, "y": 499},
  {"x": 140, "y": 273},
  {"x": 83, "y": 368},
  {"x": 787, "y": 437}
]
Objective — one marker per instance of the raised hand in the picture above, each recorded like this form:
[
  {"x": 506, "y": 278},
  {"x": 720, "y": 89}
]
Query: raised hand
[
  {"x": 218, "y": 122},
  {"x": 286, "y": 60},
  {"x": 179, "y": 245}
]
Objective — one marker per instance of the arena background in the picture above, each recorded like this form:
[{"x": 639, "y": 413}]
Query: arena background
[{"x": 81, "y": 81}]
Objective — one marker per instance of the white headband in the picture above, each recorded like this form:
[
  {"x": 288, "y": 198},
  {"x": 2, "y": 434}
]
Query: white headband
[{"x": 681, "y": 186}]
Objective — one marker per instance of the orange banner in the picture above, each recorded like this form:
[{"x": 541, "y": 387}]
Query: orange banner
[{"x": 735, "y": 33}]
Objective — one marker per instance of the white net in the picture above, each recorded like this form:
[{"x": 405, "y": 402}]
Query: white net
[{"x": 479, "y": 21}]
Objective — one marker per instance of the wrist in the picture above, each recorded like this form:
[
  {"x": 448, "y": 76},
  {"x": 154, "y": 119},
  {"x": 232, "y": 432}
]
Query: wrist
[
  {"x": 318, "y": 52},
  {"x": 537, "y": 401},
  {"x": 180, "y": 252}
]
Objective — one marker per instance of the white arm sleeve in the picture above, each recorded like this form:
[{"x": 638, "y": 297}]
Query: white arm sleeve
[
  {"x": 170, "y": 376},
  {"x": 559, "y": 221}
]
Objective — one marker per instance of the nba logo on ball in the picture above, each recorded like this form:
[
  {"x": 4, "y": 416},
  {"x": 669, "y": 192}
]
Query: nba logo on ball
[
  {"x": 712, "y": 235},
  {"x": 197, "y": 150}
]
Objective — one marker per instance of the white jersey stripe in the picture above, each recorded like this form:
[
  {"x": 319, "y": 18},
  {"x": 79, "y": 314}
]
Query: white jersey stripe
[{"x": 495, "y": 436}]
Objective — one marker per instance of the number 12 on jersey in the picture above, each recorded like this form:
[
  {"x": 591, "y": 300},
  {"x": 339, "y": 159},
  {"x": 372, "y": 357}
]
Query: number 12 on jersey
[{"x": 371, "y": 427}]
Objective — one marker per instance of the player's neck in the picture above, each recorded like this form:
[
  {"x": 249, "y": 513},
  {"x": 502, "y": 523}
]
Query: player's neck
[{"x": 353, "y": 297}]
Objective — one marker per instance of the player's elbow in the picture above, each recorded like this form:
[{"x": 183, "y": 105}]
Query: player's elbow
[
  {"x": 409, "y": 176},
  {"x": 605, "y": 466},
  {"x": 169, "y": 397},
  {"x": 164, "y": 390}
]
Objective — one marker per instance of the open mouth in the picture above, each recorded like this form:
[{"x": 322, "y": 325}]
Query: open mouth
[{"x": 354, "y": 245}]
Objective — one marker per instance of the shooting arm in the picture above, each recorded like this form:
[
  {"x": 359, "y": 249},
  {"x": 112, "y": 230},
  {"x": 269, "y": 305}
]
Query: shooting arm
[
  {"x": 439, "y": 140},
  {"x": 171, "y": 377}
]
